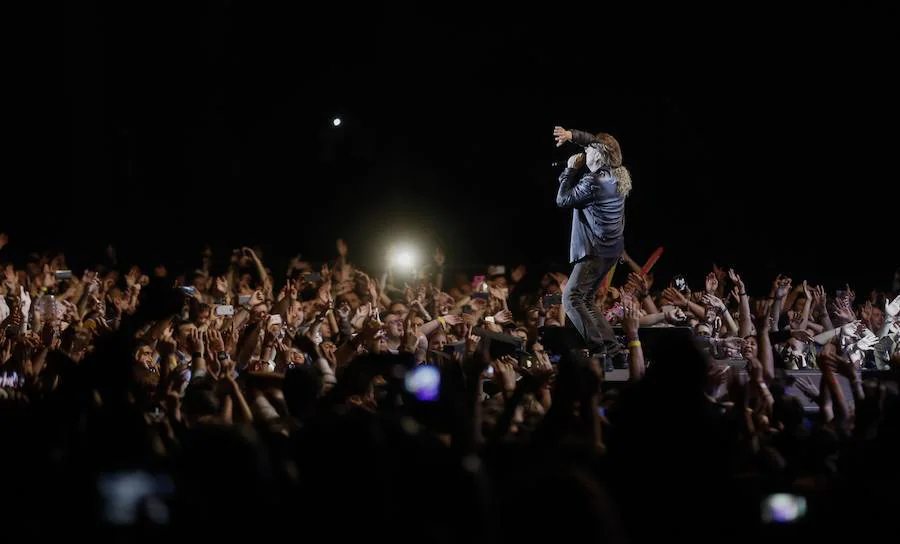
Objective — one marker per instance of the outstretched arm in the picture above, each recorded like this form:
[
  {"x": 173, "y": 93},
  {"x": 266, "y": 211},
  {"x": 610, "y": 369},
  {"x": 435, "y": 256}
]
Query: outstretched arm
[{"x": 579, "y": 137}]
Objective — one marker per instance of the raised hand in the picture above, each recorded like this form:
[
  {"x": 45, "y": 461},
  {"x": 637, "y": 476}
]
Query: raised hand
[
  {"x": 576, "y": 161},
  {"x": 818, "y": 297},
  {"x": 843, "y": 310},
  {"x": 439, "y": 258},
  {"x": 675, "y": 296},
  {"x": 195, "y": 341},
  {"x": 801, "y": 334},
  {"x": 502, "y": 317},
  {"x": 562, "y": 135},
  {"x": 452, "y": 319},
  {"x": 806, "y": 292},
  {"x": 561, "y": 279},
  {"x": 713, "y": 301},
  {"x": 342, "y": 248},
  {"x": 712, "y": 283},
  {"x": 737, "y": 281},
  {"x": 411, "y": 339},
  {"x": 505, "y": 373},
  {"x": 257, "y": 298},
  {"x": 867, "y": 341},
  {"x": 631, "y": 320},
  {"x": 638, "y": 283},
  {"x": 362, "y": 314},
  {"x": 892, "y": 309},
  {"x": 214, "y": 341},
  {"x": 850, "y": 329},
  {"x": 781, "y": 287},
  {"x": 675, "y": 316},
  {"x": 221, "y": 286}
]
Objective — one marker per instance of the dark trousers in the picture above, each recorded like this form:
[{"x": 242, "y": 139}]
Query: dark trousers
[{"x": 578, "y": 300}]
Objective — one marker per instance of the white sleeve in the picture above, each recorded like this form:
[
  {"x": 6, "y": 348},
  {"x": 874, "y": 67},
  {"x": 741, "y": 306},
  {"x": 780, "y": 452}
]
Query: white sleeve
[
  {"x": 4, "y": 309},
  {"x": 26, "y": 307}
]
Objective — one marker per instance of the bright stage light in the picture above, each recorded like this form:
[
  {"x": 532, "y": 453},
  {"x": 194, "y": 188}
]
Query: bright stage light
[
  {"x": 404, "y": 257},
  {"x": 336, "y": 121}
]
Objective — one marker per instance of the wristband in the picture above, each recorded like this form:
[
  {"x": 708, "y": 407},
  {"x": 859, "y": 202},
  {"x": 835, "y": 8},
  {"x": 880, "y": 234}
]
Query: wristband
[
  {"x": 196, "y": 355},
  {"x": 634, "y": 344},
  {"x": 442, "y": 321},
  {"x": 742, "y": 294}
]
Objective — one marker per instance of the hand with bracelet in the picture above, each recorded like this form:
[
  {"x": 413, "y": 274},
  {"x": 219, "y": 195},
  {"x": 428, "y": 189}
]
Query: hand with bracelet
[
  {"x": 630, "y": 324},
  {"x": 713, "y": 301},
  {"x": 780, "y": 288}
]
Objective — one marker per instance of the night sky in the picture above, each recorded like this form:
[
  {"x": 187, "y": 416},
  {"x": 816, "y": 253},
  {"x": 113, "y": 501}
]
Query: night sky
[{"x": 765, "y": 140}]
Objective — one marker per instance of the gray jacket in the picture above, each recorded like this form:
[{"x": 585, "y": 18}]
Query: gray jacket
[{"x": 598, "y": 211}]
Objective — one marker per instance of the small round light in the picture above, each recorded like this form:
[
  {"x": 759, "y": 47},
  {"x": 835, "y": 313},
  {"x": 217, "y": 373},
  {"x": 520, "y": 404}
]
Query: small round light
[
  {"x": 405, "y": 259},
  {"x": 336, "y": 121}
]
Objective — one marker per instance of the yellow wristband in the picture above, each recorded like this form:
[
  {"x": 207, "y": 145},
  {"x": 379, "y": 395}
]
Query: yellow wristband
[
  {"x": 634, "y": 344},
  {"x": 443, "y": 322}
]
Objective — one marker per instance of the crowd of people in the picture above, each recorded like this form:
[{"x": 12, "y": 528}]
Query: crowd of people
[{"x": 419, "y": 407}]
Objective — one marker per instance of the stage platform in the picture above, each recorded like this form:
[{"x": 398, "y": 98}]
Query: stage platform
[
  {"x": 615, "y": 377},
  {"x": 654, "y": 340}
]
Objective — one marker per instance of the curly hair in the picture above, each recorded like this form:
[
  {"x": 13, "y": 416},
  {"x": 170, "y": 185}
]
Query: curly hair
[{"x": 623, "y": 181}]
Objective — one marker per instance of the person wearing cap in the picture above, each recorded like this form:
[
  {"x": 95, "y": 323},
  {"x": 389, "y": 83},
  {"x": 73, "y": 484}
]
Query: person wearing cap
[{"x": 597, "y": 199}]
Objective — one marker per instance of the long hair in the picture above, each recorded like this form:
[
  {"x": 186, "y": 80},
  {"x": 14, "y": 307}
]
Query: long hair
[
  {"x": 623, "y": 181},
  {"x": 611, "y": 155}
]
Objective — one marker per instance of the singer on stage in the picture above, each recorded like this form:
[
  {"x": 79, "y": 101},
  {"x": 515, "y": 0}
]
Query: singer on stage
[{"x": 597, "y": 198}]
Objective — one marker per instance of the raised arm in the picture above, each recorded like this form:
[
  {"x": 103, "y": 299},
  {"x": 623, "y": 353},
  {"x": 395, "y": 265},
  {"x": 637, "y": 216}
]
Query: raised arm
[
  {"x": 572, "y": 192},
  {"x": 819, "y": 300},
  {"x": 804, "y": 318},
  {"x": 891, "y": 316},
  {"x": 640, "y": 287},
  {"x": 261, "y": 270},
  {"x": 764, "y": 343},
  {"x": 636, "y": 364},
  {"x": 745, "y": 323}
]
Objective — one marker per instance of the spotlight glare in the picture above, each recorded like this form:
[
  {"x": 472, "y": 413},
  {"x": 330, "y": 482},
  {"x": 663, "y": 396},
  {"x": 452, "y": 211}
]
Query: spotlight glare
[
  {"x": 404, "y": 258},
  {"x": 336, "y": 121}
]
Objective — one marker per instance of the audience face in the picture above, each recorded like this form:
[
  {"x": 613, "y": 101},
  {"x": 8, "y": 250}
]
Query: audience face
[
  {"x": 393, "y": 325},
  {"x": 204, "y": 415}
]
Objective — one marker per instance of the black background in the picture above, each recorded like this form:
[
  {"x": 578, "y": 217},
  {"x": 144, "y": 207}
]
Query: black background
[{"x": 760, "y": 138}]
